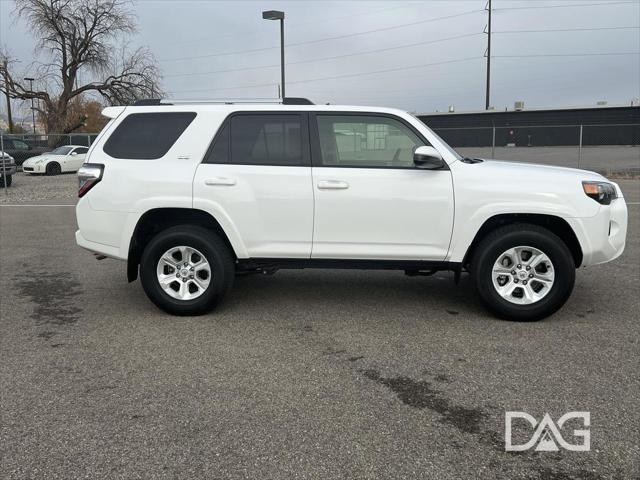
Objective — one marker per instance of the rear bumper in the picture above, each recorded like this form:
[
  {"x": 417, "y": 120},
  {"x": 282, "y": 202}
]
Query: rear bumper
[
  {"x": 95, "y": 247},
  {"x": 603, "y": 236}
]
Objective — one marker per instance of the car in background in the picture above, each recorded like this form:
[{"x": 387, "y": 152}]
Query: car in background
[
  {"x": 68, "y": 158},
  {"x": 21, "y": 150},
  {"x": 7, "y": 169}
]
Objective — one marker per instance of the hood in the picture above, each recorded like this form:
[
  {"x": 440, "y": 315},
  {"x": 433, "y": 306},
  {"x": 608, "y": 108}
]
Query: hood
[
  {"x": 33, "y": 160},
  {"x": 528, "y": 170}
]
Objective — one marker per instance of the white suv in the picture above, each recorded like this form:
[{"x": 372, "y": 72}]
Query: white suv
[{"x": 192, "y": 194}]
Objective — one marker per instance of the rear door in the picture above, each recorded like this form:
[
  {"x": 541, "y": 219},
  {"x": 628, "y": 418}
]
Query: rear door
[
  {"x": 257, "y": 174},
  {"x": 371, "y": 202}
]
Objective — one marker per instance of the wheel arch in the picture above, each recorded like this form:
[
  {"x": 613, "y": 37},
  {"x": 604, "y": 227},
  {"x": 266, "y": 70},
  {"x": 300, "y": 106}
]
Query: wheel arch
[
  {"x": 158, "y": 219},
  {"x": 553, "y": 223}
]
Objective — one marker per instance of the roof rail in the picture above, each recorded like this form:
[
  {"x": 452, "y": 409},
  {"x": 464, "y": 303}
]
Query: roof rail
[
  {"x": 296, "y": 101},
  {"x": 148, "y": 102},
  {"x": 286, "y": 101}
]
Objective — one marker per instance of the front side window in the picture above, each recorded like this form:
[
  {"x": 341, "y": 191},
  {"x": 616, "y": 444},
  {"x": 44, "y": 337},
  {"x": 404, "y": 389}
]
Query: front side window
[
  {"x": 366, "y": 141},
  {"x": 147, "y": 136},
  {"x": 81, "y": 150},
  {"x": 264, "y": 139}
]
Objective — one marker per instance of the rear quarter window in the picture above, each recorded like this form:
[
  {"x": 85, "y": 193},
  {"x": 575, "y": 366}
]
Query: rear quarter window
[{"x": 147, "y": 136}]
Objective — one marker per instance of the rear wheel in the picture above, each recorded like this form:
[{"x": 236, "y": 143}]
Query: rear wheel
[
  {"x": 53, "y": 168},
  {"x": 523, "y": 272},
  {"x": 186, "y": 270},
  {"x": 8, "y": 180}
]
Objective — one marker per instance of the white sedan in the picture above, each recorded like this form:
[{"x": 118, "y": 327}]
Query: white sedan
[{"x": 68, "y": 158}]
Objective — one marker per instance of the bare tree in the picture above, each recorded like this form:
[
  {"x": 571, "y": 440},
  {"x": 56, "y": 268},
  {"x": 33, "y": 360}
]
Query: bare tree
[{"x": 81, "y": 36}]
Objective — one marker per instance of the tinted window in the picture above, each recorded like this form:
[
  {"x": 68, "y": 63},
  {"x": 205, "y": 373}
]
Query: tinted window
[
  {"x": 219, "y": 151},
  {"x": 366, "y": 141},
  {"x": 20, "y": 145},
  {"x": 81, "y": 150},
  {"x": 60, "y": 151},
  {"x": 147, "y": 136},
  {"x": 267, "y": 139}
]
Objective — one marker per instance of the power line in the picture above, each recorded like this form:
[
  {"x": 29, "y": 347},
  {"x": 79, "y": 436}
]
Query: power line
[
  {"x": 337, "y": 37},
  {"x": 566, "y": 5},
  {"x": 334, "y": 77},
  {"x": 333, "y": 57},
  {"x": 567, "y": 55},
  {"x": 295, "y": 26},
  {"x": 581, "y": 29}
]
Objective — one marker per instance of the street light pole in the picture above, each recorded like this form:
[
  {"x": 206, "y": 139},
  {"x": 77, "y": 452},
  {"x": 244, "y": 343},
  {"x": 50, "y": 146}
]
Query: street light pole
[
  {"x": 33, "y": 111},
  {"x": 277, "y": 15}
]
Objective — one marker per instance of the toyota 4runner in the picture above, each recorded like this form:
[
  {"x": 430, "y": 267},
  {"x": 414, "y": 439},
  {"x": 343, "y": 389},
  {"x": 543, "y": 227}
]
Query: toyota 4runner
[{"x": 191, "y": 194}]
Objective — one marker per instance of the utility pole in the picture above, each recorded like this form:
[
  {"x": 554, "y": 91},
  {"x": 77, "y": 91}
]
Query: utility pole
[
  {"x": 488, "y": 55},
  {"x": 6, "y": 91},
  {"x": 33, "y": 110}
]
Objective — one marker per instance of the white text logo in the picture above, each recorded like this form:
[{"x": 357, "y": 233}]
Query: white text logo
[{"x": 547, "y": 436}]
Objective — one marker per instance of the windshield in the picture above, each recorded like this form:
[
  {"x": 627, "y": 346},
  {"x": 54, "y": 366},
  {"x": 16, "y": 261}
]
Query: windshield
[{"x": 61, "y": 151}]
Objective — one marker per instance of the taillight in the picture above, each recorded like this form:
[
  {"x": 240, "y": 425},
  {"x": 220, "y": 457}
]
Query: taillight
[{"x": 88, "y": 175}]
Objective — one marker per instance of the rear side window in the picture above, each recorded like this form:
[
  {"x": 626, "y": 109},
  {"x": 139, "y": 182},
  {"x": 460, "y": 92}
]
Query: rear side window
[
  {"x": 265, "y": 139},
  {"x": 147, "y": 136}
]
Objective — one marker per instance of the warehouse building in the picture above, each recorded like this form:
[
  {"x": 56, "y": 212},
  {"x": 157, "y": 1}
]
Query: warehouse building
[{"x": 557, "y": 127}]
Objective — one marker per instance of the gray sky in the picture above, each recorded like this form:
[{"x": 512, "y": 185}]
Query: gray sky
[{"x": 420, "y": 71}]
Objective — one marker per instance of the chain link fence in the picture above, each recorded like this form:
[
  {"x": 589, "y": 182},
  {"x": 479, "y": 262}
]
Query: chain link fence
[{"x": 612, "y": 149}]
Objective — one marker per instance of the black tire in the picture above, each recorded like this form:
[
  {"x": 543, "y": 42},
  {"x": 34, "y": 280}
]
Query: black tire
[
  {"x": 504, "y": 238},
  {"x": 214, "y": 249},
  {"x": 9, "y": 180},
  {"x": 53, "y": 168}
]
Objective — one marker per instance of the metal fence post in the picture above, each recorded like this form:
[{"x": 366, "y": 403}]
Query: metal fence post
[
  {"x": 493, "y": 142},
  {"x": 4, "y": 170},
  {"x": 580, "y": 148}
]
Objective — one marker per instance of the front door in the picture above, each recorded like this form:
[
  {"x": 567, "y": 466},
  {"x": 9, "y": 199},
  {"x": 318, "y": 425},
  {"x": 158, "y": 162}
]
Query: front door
[
  {"x": 257, "y": 174},
  {"x": 371, "y": 202}
]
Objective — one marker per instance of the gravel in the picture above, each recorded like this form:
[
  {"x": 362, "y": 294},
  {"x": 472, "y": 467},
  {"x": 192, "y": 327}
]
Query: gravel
[{"x": 40, "y": 188}]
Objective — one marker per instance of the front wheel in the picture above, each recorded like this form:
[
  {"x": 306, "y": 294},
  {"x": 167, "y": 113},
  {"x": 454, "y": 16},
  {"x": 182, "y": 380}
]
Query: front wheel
[
  {"x": 6, "y": 180},
  {"x": 186, "y": 270},
  {"x": 53, "y": 168},
  {"x": 523, "y": 272}
]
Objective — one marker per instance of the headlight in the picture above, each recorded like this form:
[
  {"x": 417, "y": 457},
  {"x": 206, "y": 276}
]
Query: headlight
[
  {"x": 601, "y": 192},
  {"x": 38, "y": 162}
]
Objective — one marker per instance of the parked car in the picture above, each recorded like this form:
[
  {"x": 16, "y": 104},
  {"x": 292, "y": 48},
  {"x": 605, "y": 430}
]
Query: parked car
[
  {"x": 7, "y": 169},
  {"x": 21, "y": 150},
  {"x": 190, "y": 195},
  {"x": 68, "y": 158}
]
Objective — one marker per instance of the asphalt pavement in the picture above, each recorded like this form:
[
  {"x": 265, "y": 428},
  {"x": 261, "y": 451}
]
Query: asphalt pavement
[{"x": 303, "y": 374}]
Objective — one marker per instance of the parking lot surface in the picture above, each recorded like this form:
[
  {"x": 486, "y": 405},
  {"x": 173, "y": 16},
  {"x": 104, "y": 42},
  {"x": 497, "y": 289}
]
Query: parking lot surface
[{"x": 303, "y": 374}]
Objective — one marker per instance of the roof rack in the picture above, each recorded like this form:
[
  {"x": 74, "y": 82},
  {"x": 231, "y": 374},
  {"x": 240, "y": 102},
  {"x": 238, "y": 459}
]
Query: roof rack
[{"x": 285, "y": 101}]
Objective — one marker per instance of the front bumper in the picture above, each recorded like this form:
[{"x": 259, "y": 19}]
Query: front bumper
[
  {"x": 35, "y": 168},
  {"x": 8, "y": 170},
  {"x": 603, "y": 236}
]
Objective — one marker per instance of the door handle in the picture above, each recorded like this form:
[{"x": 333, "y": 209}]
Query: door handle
[
  {"x": 229, "y": 182},
  {"x": 332, "y": 185}
]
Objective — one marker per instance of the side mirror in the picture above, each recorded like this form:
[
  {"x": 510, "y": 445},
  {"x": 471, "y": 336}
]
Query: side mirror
[
  {"x": 74, "y": 153},
  {"x": 428, "y": 158}
]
